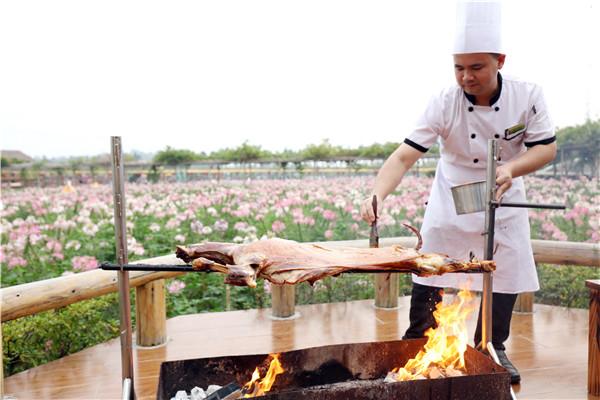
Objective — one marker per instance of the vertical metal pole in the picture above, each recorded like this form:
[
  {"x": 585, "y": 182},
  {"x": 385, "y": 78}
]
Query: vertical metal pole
[
  {"x": 490, "y": 216},
  {"x": 123, "y": 276}
]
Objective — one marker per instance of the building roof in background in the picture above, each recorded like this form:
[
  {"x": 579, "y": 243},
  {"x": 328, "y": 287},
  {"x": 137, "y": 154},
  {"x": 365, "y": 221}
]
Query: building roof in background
[{"x": 15, "y": 155}]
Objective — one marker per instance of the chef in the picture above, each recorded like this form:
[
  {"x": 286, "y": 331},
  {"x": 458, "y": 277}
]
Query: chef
[{"x": 482, "y": 105}]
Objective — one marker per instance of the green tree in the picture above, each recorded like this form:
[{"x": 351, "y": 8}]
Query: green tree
[
  {"x": 287, "y": 155},
  {"x": 93, "y": 170},
  {"x": 60, "y": 173},
  {"x": 153, "y": 174},
  {"x": 36, "y": 169},
  {"x": 171, "y": 156},
  {"x": 25, "y": 175},
  {"x": 579, "y": 148},
  {"x": 586, "y": 134},
  {"x": 247, "y": 153},
  {"x": 75, "y": 165},
  {"x": 321, "y": 152}
]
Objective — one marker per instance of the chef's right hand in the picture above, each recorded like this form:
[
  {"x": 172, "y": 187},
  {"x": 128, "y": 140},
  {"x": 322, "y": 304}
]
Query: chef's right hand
[{"x": 366, "y": 209}]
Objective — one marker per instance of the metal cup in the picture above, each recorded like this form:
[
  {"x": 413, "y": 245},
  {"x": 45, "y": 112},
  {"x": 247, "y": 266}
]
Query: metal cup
[{"x": 469, "y": 197}]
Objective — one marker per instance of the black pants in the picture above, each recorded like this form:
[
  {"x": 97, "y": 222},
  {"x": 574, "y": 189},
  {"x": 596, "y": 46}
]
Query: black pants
[{"x": 423, "y": 301}]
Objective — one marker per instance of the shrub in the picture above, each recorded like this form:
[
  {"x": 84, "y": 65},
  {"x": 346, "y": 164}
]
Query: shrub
[
  {"x": 562, "y": 285},
  {"x": 47, "y": 336}
]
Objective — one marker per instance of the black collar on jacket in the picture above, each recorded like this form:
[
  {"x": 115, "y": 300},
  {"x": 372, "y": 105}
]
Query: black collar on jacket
[{"x": 494, "y": 99}]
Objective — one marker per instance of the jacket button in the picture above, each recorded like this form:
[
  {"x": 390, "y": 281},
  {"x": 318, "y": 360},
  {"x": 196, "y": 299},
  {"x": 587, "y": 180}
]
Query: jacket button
[
  {"x": 496, "y": 108},
  {"x": 470, "y": 109},
  {"x": 473, "y": 136},
  {"x": 476, "y": 160},
  {"x": 496, "y": 136}
]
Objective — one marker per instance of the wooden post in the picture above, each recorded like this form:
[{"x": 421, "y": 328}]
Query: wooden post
[
  {"x": 593, "y": 381},
  {"x": 1, "y": 366},
  {"x": 151, "y": 314},
  {"x": 386, "y": 290},
  {"x": 283, "y": 301},
  {"x": 524, "y": 303}
]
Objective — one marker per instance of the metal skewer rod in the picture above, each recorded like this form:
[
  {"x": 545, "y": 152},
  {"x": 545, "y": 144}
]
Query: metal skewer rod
[
  {"x": 529, "y": 205},
  {"x": 148, "y": 267},
  {"x": 123, "y": 275},
  {"x": 490, "y": 216},
  {"x": 189, "y": 268}
]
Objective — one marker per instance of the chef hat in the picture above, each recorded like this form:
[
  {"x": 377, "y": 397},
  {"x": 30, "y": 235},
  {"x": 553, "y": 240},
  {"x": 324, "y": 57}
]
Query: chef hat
[{"x": 478, "y": 27}]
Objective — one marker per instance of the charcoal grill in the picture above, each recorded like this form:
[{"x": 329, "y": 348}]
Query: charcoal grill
[{"x": 341, "y": 372}]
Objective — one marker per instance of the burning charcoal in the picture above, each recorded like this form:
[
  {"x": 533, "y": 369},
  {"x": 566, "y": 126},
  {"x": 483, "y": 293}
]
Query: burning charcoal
[
  {"x": 198, "y": 394},
  {"x": 212, "y": 388},
  {"x": 435, "y": 373},
  {"x": 390, "y": 378},
  {"x": 181, "y": 395},
  {"x": 418, "y": 377},
  {"x": 453, "y": 372},
  {"x": 227, "y": 392}
]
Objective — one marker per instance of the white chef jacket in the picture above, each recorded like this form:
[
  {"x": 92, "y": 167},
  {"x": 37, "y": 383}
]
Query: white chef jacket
[{"x": 463, "y": 129}]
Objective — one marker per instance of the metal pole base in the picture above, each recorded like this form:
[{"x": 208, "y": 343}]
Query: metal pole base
[{"x": 492, "y": 353}]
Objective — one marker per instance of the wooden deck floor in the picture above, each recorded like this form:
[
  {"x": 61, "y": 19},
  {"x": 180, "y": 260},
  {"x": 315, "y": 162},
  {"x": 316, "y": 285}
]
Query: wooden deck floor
[{"x": 549, "y": 347}]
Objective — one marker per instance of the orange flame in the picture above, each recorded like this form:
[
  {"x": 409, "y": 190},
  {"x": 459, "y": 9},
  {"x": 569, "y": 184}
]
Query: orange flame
[
  {"x": 446, "y": 345},
  {"x": 257, "y": 387}
]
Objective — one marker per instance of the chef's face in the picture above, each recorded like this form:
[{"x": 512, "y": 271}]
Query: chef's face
[{"x": 476, "y": 73}]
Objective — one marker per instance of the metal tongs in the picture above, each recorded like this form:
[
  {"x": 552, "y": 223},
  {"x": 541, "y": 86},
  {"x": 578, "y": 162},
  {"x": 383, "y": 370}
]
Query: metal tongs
[{"x": 149, "y": 267}]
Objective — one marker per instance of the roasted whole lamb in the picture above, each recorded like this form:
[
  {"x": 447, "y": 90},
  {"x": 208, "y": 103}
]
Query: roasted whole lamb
[{"x": 283, "y": 261}]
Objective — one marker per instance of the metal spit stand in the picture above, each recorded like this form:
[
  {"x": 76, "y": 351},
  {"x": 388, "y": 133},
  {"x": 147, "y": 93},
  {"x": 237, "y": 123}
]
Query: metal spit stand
[
  {"x": 490, "y": 217},
  {"x": 128, "y": 391},
  {"x": 488, "y": 233}
]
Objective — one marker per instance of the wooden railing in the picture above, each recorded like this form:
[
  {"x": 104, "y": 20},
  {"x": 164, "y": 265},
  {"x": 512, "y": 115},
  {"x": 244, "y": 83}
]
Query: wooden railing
[{"x": 31, "y": 298}]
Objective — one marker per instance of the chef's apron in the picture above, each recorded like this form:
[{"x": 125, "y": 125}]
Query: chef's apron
[{"x": 446, "y": 232}]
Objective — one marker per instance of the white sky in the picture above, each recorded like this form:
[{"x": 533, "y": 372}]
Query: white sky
[{"x": 205, "y": 75}]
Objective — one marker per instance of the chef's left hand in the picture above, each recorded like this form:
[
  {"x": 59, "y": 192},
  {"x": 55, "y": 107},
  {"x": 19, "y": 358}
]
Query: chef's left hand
[{"x": 503, "y": 181}]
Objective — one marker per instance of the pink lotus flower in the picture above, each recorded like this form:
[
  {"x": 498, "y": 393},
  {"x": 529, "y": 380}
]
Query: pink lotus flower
[
  {"x": 16, "y": 262},
  {"x": 328, "y": 234},
  {"x": 73, "y": 244},
  {"x": 267, "y": 286},
  {"x": 329, "y": 215},
  {"x": 176, "y": 286},
  {"x": 240, "y": 226},
  {"x": 84, "y": 263},
  {"x": 278, "y": 226},
  {"x": 172, "y": 223},
  {"x": 221, "y": 225},
  {"x": 154, "y": 227},
  {"x": 196, "y": 226}
]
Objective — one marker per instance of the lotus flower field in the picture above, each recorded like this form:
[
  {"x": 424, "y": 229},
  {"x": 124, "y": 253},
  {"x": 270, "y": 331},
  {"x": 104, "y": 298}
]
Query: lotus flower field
[
  {"x": 51, "y": 232},
  {"x": 56, "y": 231}
]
